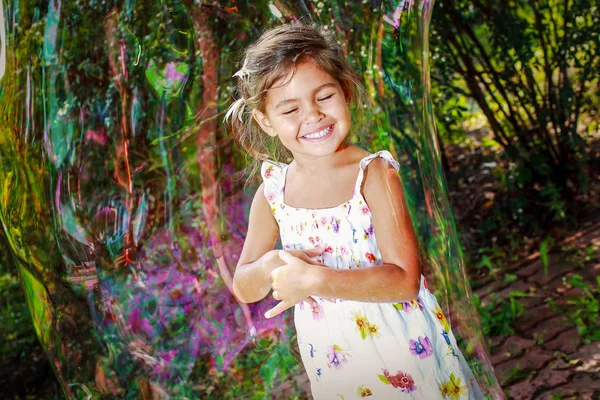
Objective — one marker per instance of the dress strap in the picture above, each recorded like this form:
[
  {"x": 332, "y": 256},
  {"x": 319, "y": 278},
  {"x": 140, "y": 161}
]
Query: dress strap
[
  {"x": 367, "y": 160},
  {"x": 273, "y": 174}
]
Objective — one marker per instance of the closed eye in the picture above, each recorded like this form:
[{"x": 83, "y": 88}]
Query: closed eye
[
  {"x": 327, "y": 97},
  {"x": 289, "y": 111}
]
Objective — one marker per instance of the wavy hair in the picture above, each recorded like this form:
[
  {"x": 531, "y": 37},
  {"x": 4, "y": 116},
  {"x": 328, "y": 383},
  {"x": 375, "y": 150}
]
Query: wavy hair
[{"x": 271, "y": 58}]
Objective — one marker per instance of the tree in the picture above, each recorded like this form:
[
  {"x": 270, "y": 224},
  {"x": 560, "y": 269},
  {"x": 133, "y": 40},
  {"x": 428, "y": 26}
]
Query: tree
[{"x": 530, "y": 65}]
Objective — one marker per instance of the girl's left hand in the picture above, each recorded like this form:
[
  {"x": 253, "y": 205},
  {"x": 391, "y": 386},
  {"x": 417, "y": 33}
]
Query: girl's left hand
[{"x": 291, "y": 283}]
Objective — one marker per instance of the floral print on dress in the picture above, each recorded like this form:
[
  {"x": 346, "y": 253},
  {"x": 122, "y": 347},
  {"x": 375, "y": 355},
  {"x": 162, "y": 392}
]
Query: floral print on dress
[
  {"x": 336, "y": 357},
  {"x": 374, "y": 331},
  {"x": 365, "y": 327},
  {"x": 400, "y": 380},
  {"x": 421, "y": 347},
  {"x": 442, "y": 319},
  {"x": 362, "y": 324},
  {"x": 409, "y": 306},
  {"x": 452, "y": 388},
  {"x": 335, "y": 224},
  {"x": 363, "y": 391},
  {"x": 368, "y": 232},
  {"x": 268, "y": 172},
  {"x": 445, "y": 331},
  {"x": 312, "y": 350},
  {"x": 379, "y": 350},
  {"x": 317, "y": 311},
  {"x": 370, "y": 257}
]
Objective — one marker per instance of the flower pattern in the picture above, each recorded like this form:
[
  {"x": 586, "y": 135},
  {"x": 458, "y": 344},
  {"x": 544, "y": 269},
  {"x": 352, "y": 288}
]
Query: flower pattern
[
  {"x": 365, "y": 327},
  {"x": 452, "y": 388},
  {"x": 317, "y": 311},
  {"x": 362, "y": 324},
  {"x": 400, "y": 380},
  {"x": 268, "y": 172},
  {"x": 363, "y": 391},
  {"x": 336, "y": 357},
  {"x": 442, "y": 319},
  {"x": 421, "y": 347},
  {"x": 368, "y": 232},
  {"x": 342, "y": 340},
  {"x": 370, "y": 257}
]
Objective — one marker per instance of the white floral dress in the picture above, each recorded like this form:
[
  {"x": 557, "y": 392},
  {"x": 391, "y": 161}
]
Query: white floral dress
[{"x": 353, "y": 349}]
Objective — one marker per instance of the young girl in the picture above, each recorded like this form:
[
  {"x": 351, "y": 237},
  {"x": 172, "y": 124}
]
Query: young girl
[{"x": 366, "y": 323}]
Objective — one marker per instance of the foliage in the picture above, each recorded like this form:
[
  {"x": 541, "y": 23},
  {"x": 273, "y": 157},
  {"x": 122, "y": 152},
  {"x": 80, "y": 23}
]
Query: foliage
[
  {"x": 499, "y": 316},
  {"x": 530, "y": 67},
  {"x": 480, "y": 64},
  {"x": 15, "y": 322},
  {"x": 257, "y": 373},
  {"x": 584, "y": 310},
  {"x": 544, "y": 248},
  {"x": 22, "y": 365}
]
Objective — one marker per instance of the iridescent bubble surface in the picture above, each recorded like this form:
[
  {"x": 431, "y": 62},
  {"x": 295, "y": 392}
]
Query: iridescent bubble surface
[{"x": 123, "y": 197}]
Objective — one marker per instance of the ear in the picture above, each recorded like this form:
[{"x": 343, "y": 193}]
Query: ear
[
  {"x": 346, "y": 94},
  {"x": 264, "y": 123}
]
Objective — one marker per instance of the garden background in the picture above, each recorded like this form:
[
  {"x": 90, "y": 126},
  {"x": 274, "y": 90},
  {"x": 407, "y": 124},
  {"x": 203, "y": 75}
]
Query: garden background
[{"x": 515, "y": 89}]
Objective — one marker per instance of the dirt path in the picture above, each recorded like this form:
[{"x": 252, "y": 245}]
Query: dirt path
[{"x": 546, "y": 358}]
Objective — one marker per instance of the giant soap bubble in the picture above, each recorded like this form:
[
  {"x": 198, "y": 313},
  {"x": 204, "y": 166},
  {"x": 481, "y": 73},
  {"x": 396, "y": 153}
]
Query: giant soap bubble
[{"x": 124, "y": 201}]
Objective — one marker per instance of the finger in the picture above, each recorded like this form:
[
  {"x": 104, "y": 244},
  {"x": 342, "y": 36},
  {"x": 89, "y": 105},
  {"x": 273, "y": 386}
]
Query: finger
[
  {"x": 278, "y": 309},
  {"x": 304, "y": 257},
  {"x": 276, "y": 295},
  {"x": 317, "y": 251},
  {"x": 273, "y": 274},
  {"x": 286, "y": 257}
]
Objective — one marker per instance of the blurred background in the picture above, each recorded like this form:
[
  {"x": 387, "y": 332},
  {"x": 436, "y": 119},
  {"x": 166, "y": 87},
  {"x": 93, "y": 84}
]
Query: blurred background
[{"x": 515, "y": 91}]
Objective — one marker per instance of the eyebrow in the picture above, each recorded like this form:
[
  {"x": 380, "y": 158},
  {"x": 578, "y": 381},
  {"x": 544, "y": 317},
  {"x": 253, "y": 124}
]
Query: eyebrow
[{"x": 323, "y": 86}]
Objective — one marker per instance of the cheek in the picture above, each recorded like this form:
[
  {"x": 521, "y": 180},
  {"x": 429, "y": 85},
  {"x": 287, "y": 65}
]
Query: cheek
[
  {"x": 345, "y": 114},
  {"x": 288, "y": 127}
]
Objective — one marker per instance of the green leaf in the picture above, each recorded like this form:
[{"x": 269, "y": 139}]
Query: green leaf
[
  {"x": 383, "y": 379},
  {"x": 544, "y": 254},
  {"x": 518, "y": 293}
]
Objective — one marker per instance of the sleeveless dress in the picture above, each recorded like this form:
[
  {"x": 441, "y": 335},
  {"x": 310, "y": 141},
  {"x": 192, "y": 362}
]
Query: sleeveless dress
[{"x": 353, "y": 349}]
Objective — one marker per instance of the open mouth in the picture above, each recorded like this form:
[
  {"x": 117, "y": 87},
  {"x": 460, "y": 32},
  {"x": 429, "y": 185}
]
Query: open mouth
[{"x": 319, "y": 134}]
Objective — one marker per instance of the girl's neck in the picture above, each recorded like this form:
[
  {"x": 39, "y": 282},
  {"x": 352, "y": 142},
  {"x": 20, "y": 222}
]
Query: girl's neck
[{"x": 316, "y": 165}]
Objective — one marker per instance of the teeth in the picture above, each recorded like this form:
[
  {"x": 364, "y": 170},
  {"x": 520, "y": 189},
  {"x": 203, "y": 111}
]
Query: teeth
[{"x": 319, "y": 134}]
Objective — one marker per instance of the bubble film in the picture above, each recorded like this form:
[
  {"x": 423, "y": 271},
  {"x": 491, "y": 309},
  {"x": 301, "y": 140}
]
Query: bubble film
[{"x": 124, "y": 200}]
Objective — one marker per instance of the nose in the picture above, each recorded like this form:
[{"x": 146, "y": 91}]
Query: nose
[{"x": 313, "y": 114}]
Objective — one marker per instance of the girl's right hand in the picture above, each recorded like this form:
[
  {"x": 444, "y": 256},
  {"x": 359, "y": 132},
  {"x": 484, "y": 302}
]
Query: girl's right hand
[{"x": 273, "y": 261}]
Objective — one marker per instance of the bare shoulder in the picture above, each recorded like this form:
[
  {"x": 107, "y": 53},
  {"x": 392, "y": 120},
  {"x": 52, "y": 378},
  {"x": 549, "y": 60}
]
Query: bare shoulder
[
  {"x": 260, "y": 205},
  {"x": 262, "y": 229},
  {"x": 392, "y": 223},
  {"x": 378, "y": 175}
]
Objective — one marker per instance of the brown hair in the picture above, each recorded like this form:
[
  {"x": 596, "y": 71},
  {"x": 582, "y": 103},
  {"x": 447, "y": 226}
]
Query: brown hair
[{"x": 277, "y": 52}]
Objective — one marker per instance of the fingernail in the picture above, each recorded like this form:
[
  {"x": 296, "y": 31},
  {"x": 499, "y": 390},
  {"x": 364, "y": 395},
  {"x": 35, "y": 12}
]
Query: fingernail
[{"x": 267, "y": 315}]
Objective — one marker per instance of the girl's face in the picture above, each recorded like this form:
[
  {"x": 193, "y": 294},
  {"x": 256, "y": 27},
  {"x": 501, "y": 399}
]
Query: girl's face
[{"x": 309, "y": 114}]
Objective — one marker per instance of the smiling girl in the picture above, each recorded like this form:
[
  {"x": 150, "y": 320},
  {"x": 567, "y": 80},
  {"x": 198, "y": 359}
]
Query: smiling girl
[{"x": 367, "y": 325}]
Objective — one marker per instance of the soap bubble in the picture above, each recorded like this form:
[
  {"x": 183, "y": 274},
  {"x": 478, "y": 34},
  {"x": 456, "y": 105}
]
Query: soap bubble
[{"x": 123, "y": 197}]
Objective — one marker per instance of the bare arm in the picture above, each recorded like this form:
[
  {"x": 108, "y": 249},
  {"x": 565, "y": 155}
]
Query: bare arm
[
  {"x": 396, "y": 280},
  {"x": 251, "y": 279}
]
